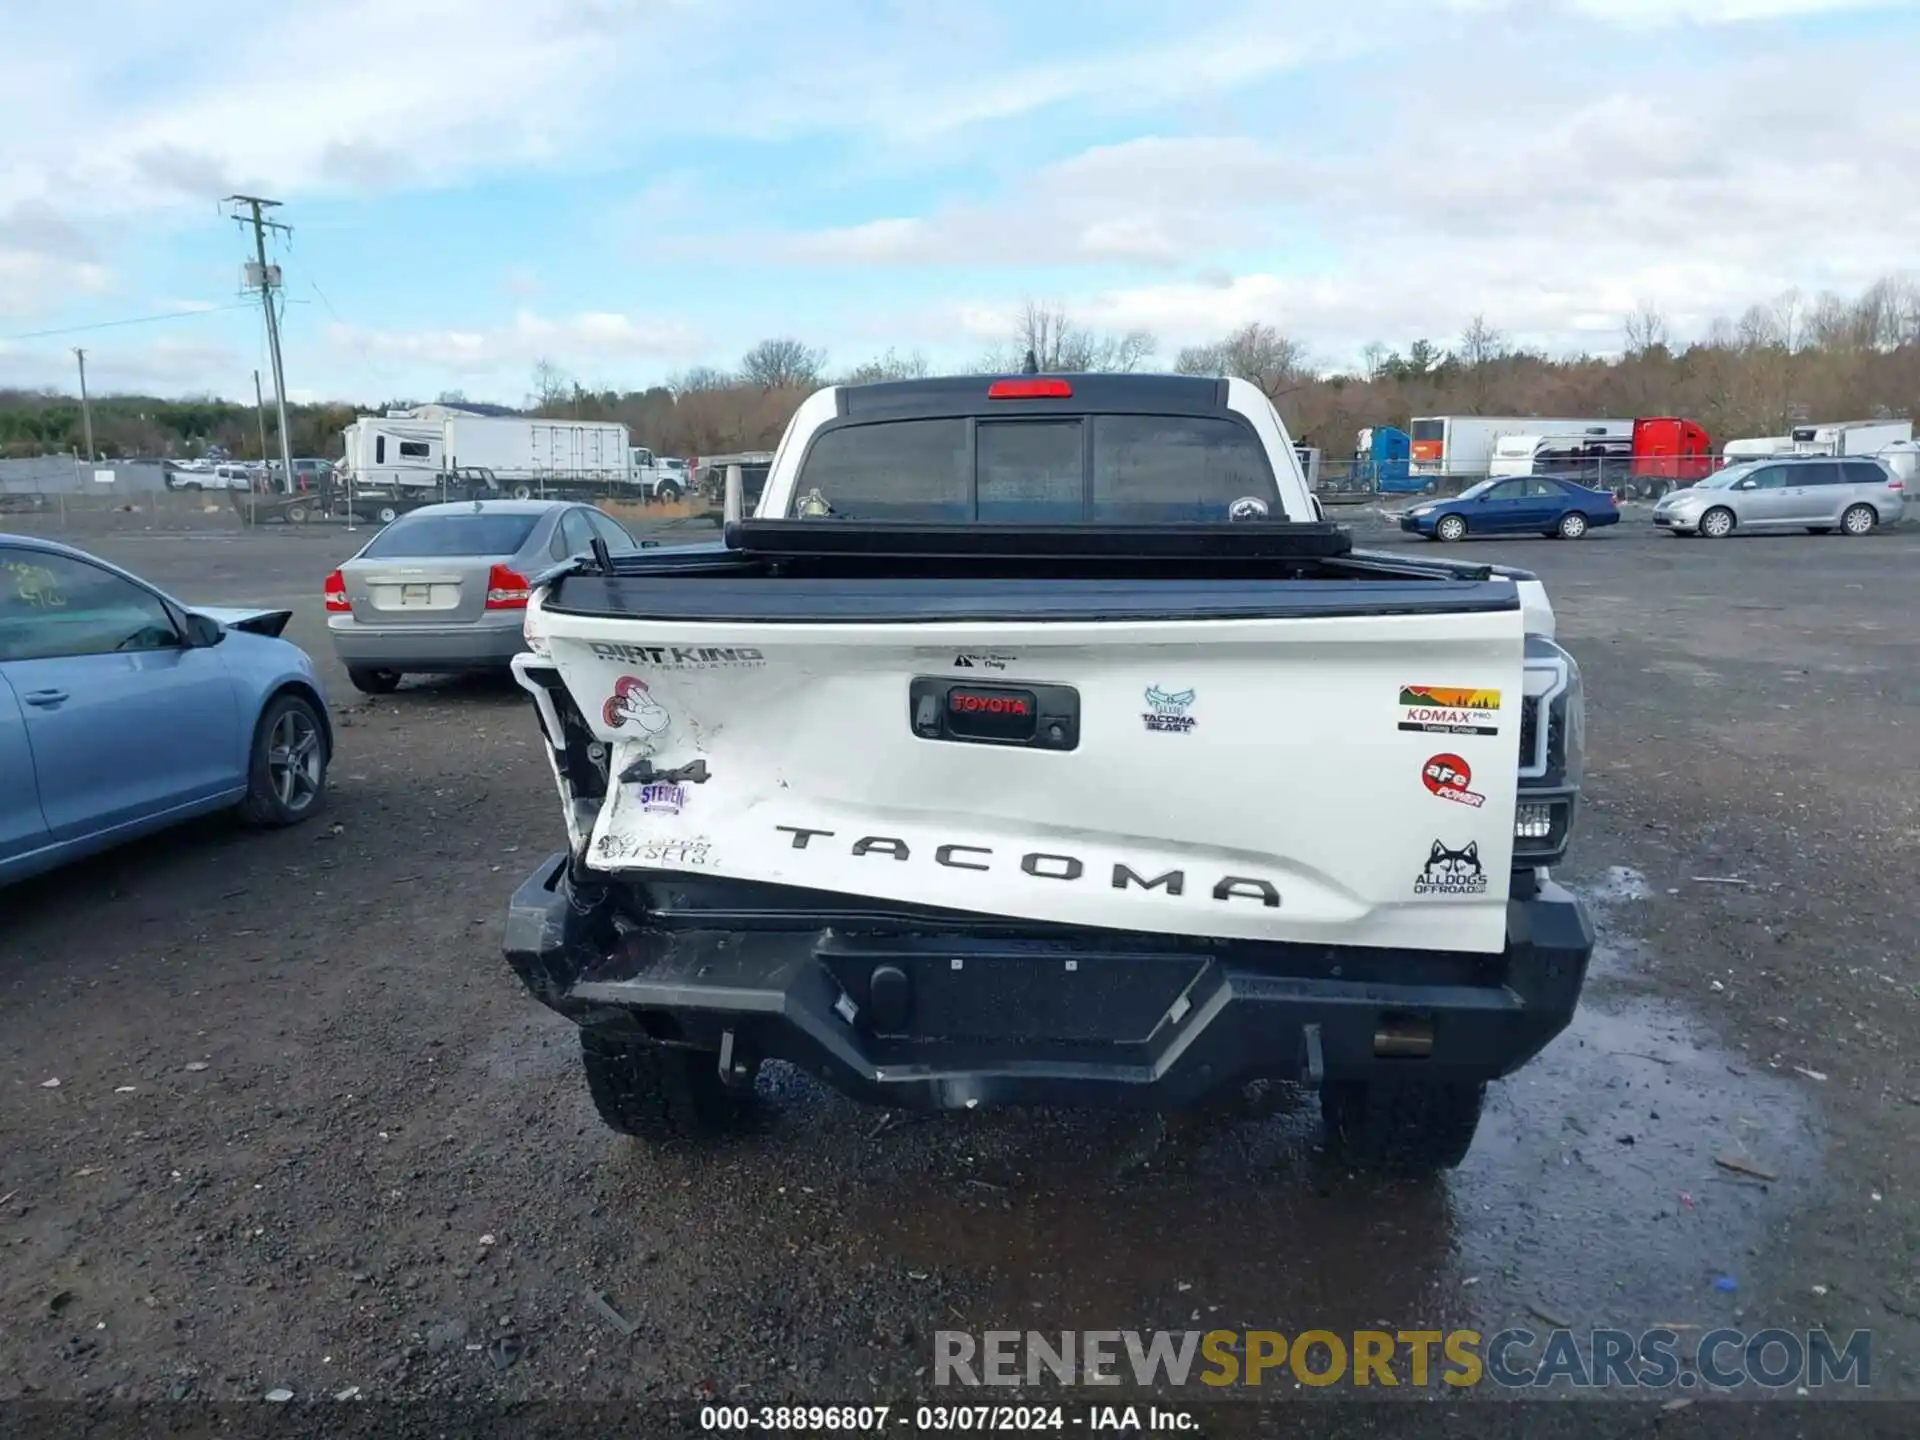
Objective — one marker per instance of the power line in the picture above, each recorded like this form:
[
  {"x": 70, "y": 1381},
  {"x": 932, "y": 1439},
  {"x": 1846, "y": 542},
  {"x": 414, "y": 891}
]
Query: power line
[{"x": 136, "y": 320}]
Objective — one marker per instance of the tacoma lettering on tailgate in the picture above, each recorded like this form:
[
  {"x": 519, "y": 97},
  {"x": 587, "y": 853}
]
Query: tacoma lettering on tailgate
[{"x": 1043, "y": 865}]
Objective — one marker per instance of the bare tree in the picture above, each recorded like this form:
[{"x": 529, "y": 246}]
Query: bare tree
[
  {"x": 890, "y": 366},
  {"x": 782, "y": 364},
  {"x": 700, "y": 379},
  {"x": 552, "y": 389},
  {"x": 1481, "y": 344},
  {"x": 1646, "y": 329},
  {"x": 1256, "y": 352},
  {"x": 1060, "y": 346}
]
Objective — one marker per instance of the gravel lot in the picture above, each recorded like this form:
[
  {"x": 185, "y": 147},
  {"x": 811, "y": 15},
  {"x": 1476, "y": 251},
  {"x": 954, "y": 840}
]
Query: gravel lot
[{"x": 309, "y": 1131}]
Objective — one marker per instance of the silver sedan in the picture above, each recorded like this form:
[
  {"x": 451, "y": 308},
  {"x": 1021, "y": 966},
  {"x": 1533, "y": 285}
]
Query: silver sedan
[{"x": 444, "y": 588}]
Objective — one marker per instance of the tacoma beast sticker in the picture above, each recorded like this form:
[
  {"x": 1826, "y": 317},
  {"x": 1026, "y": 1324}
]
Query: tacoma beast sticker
[
  {"x": 1042, "y": 865},
  {"x": 1449, "y": 710},
  {"x": 632, "y": 704},
  {"x": 1450, "y": 777},
  {"x": 1167, "y": 710},
  {"x": 1452, "y": 872},
  {"x": 679, "y": 657}
]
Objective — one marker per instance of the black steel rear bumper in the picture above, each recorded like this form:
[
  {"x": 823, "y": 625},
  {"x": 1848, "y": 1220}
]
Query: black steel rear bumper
[{"x": 953, "y": 1014}]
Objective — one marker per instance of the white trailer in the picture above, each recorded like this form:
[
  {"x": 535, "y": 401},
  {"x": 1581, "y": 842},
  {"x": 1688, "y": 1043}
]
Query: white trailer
[
  {"x": 1460, "y": 447},
  {"x": 1850, "y": 437},
  {"x": 393, "y": 452}
]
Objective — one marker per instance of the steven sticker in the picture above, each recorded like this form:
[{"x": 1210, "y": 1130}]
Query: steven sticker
[
  {"x": 661, "y": 797},
  {"x": 1450, "y": 777},
  {"x": 1449, "y": 710}
]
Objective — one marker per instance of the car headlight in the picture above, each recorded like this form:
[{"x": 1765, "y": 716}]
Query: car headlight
[
  {"x": 1420, "y": 512},
  {"x": 1553, "y": 753}
]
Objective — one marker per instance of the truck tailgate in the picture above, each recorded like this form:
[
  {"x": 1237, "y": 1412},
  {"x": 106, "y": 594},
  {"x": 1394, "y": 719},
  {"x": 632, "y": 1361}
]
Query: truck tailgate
[{"x": 1320, "y": 778}]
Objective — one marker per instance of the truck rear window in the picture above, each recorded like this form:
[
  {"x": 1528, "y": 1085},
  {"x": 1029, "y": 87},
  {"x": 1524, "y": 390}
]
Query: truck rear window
[
  {"x": 1119, "y": 468},
  {"x": 443, "y": 537}
]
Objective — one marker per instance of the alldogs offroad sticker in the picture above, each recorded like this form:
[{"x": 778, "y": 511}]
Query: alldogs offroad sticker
[
  {"x": 1449, "y": 777},
  {"x": 1450, "y": 871},
  {"x": 1449, "y": 710}
]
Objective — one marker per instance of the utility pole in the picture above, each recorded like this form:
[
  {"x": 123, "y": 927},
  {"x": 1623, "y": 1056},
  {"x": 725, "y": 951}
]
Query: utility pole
[
  {"x": 86, "y": 405},
  {"x": 268, "y": 282},
  {"x": 260, "y": 407}
]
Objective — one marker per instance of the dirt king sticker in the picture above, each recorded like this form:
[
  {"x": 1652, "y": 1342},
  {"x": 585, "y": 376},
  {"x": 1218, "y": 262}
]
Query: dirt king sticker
[
  {"x": 1449, "y": 710},
  {"x": 679, "y": 657},
  {"x": 1449, "y": 777},
  {"x": 1450, "y": 871}
]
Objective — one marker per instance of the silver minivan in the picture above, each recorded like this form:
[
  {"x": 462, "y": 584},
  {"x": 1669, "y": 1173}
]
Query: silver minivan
[{"x": 1820, "y": 494}]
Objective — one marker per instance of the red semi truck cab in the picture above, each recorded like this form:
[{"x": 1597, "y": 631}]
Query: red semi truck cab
[{"x": 1666, "y": 447}]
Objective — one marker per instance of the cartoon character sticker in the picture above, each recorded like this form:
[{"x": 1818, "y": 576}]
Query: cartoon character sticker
[
  {"x": 632, "y": 704},
  {"x": 1167, "y": 710}
]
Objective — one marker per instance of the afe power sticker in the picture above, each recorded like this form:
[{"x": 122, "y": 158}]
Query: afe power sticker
[
  {"x": 1450, "y": 777},
  {"x": 1449, "y": 710}
]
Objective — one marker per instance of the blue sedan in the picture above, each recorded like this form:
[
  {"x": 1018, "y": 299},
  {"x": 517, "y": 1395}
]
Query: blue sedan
[
  {"x": 123, "y": 711},
  {"x": 1519, "y": 505}
]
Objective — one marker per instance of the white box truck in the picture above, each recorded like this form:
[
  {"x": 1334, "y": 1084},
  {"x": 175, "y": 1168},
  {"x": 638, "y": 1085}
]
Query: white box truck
[{"x": 542, "y": 457}]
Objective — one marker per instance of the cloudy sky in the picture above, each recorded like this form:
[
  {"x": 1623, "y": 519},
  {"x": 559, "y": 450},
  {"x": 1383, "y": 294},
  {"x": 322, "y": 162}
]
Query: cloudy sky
[{"x": 630, "y": 187}]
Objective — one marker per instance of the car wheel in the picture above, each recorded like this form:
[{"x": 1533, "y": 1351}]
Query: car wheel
[
  {"x": 659, "y": 1092},
  {"x": 1401, "y": 1125},
  {"x": 296, "y": 514},
  {"x": 192, "y": 485},
  {"x": 1450, "y": 527},
  {"x": 1859, "y": 520},
  {"x": 522, "y": 491},
  {"x": 1717, "y": 523},
  {"x": 668, "y": 493},
  {"x": 287, "y": 781},
  {"x": 1819, "y": 529},
  {"x": 386, "y": 514},
  {"x": 373, "y": 682},
  {"x": 1572, "y": 525}
]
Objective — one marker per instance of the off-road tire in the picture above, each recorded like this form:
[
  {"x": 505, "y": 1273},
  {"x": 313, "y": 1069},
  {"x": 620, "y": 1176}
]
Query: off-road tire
[
  {"x": 1859, "y": 520},
  {"x": 1405, "y": 1126},
  {"x": 1714, "y": 517},
  {"x": 662, "y": 1093},
  {"x": 1572, "y": 526},
  {"x": 1450, "y": 528},
  {"x": 287, "y": 715},
  {"x": 373, "y": 682}
]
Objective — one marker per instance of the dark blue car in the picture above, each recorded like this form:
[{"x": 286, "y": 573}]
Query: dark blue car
[{"x": 1517, "y": 505}]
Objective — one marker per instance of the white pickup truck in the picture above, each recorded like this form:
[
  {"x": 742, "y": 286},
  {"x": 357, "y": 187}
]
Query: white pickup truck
[{"x": 1037, "y": 742}]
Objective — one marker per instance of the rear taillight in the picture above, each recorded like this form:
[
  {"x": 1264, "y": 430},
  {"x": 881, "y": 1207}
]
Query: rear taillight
[
  {"x": 336, "y": 591},
  {"x": 1030, "y": 390},
  {"x": 506, "y": 589},
  {"x": 1896, "y": 485},
  {"x": 1613, "y": 500}
]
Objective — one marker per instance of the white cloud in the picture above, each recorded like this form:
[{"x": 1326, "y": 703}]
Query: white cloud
[
  {"x": 1552, "y": 212},
  {"x": 577, "y": 341}
]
